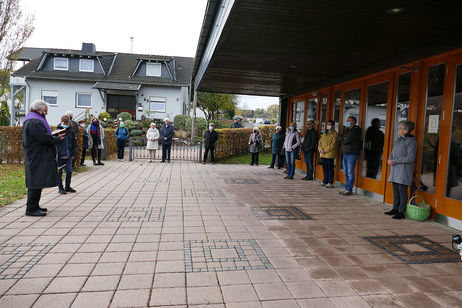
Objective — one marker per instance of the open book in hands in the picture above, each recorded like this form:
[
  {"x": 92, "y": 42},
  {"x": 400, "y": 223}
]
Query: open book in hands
[{"x": 57, "y": 132}]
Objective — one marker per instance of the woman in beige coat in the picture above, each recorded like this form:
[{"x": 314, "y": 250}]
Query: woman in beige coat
[
  {"x": 327, "y": 148},
  {"x": 153, "y": 141}
]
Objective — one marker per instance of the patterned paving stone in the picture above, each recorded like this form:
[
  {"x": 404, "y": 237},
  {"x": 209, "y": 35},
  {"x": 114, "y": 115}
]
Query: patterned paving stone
[
  {"x": 279, "y": 213},
  {"x": 241, "y": 181},
  {"x": 414, "y": 249},
  {"x": 152, "y": 180},
  {"x": 17, "y": 259},
  {"x": 202, "y": 192},
  {"x": 224, "y": 255},
  {"x": 135, "y": 214}
]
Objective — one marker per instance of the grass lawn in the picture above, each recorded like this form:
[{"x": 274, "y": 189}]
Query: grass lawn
[
  {"x": 12, "y": 183},
  {"x": 263, "y": 159}
]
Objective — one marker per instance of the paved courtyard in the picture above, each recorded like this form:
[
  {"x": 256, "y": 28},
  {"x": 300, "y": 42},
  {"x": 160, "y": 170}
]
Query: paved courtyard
[{"x": 188, "y": 235}]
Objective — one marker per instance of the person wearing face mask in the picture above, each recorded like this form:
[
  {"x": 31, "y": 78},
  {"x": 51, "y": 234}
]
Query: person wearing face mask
[
  {"x": 328, "y": 152},
  {"x": 95, "y": 142},
  {"x": 67, "y": 151},
  {"x": 210, "y": 138},
  {"x": 351, "y": 146},
  {"x": 291, "y": 145},
  {"x": 256, "y": 145},
  {"x": 121, "y": 135},
  {"x": 39, "y": 156},
  {"x": 166, "y": 136},
  {"x": 84, "y": 142},
  {"x": 153, "y": 141},
  {"x": 309, "y": 147}
]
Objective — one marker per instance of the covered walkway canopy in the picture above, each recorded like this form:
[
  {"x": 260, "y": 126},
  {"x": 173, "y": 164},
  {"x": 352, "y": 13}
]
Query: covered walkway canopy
[{"x": 281, "y": 48}]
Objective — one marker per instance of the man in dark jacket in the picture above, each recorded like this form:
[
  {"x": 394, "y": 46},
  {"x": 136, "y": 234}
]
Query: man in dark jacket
[
  {"x": 236, "y": 123},
  {"x": 351, "y": 146},
  {"x": 39, "y": 156},
  {"x": 75, "y": 129},
  {"x": 84, "y": 142},
  {"x": 166, "y": 134},
  {"x": 67, "y": 151},
  {"x": 276, "y": 146},
  {"x": 210, "y": 138},
  {"x": 309, "y": 147}
]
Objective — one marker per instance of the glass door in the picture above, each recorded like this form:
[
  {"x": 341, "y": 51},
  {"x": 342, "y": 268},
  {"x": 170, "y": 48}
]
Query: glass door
[{"x": 320, "y": 128}]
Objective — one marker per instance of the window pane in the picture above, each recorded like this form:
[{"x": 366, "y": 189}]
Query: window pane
[
  {"x": 312, "y": 109},
  {"x": 157, "y": 106},
  {"x": 337, "y": 102},
  {"x": 402, "y": 102},
  {"x": 454, "y": 171},
  {"x": 300, "y": 114},
  {"x": 430, "y": 141},
  {"x": 376, "y": 114},
  {"x": 50, "y": 97},
  {"x": 60, "y": 63},
  {"x": 86, "y": 65},
  {"x": 153, "y": 69},
  {"x": 83, "y": 100}
]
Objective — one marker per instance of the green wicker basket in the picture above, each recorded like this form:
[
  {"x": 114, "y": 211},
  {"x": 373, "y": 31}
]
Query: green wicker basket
[{"x": 420, "y": 212}]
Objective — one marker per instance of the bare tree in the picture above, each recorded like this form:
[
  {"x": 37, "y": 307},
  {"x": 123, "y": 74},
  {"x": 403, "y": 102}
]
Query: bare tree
[{"x": 15, "y": 29}]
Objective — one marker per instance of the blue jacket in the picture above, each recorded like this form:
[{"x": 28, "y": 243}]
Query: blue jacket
[
  {"x": 167, "y": 132},
  {"x": 276, "y": 143},
  {"x": 121, "y": 133},
  {"x": 68, "y": 146}
]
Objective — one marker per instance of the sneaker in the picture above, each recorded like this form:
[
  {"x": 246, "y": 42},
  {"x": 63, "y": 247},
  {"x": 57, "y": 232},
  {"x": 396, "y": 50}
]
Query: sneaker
[
  {"x": 70, "y": 189},
  {"x": 321, "y": 184},
  {"x": 329, "y": 185},
  {"x": 347, "y": 193},
  {"x": 392, "y": 212},
  {"x": 62, "y": 192}
]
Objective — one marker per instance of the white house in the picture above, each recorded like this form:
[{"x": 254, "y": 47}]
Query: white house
[{"x": 154, "y": 86}]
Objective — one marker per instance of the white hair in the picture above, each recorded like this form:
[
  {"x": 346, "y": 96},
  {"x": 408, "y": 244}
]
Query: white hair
[
  {"x": 68, "y": 113},
  {"x": 256, "y": 128},
  {"x": 166, "y": 119},
  {"x": 38, "y": 105},
  {"x": 153, "y": 124},
  {"x": 278, "y": 127}
]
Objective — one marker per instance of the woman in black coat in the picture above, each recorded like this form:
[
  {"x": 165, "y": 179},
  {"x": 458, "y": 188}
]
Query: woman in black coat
[{"x": 39, "y": 156}]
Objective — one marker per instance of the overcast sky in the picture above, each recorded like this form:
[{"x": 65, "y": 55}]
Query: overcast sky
[{"x": 159, "y": 27}]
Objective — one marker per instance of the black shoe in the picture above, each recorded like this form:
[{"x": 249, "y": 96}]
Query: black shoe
[
  {"x": 36, "y": 213},
  {"x": 256, "y": 164},
  {"x": 43, "y": 209},
  {"x": 251, "y": 164},
  {"x": 305, "y": 178},
  {"x": 271, "y": 167},
  {"x": 392, "y": 212},
  {"x": 204, "y": 162},
  {"x": 95, "y": 164},
  {"x": 279, "y": 167},
  {"x": 70, "y": 189},
  {"x": 398, "y": 216},
  {"x": 62, "y": 192},
  {"x": 162, "y": 161},
  {"x": 285, "y": 171},
  {"x": 309, "y": 179},
  {"x": 168, "y": 161},
  {"x": 82, "y": 164},
  {"x": 213, "y": 163},
  {"x": 100, "y": 164}
]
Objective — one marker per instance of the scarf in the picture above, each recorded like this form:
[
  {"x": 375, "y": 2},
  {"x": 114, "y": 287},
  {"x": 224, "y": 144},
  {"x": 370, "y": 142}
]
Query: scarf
[
  {"x": 38, "y": 116},
  {"x": 94, "y": 129},
  {"x": 254, "y": 136}
]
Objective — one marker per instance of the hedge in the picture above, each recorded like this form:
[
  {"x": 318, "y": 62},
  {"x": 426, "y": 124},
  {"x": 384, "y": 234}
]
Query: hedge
[
  {"x": 235, "y": 141},
  {"x": 11, "y": 149}
]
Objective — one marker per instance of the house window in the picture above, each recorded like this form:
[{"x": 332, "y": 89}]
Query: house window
[
  {"x": 157, "y": 104},
  {"x": 50, "y": 97},
  {"x": 86, "y": 65},
  {"x": 61, "y": 64},
  {"x": 83, "y": 100},
  {"x": 153, "y": 69}
]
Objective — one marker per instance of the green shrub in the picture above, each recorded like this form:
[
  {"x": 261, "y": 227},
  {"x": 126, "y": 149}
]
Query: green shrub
[
  {"x": 180, "y": 121},
  {"x": 103, "y": 115},
  {"x": 125, "y": 116},
  {"x": 145, "y": 124},
  {"x": 136, "y": 132},
  {"x": 129, "y": 124},
  {"x": 201, "y": 126}
]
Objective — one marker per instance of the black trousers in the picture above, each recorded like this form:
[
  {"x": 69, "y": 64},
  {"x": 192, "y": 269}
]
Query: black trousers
[
  {"x": 254, "y": 159},
  {"x": 400, "y": 197},
  {"x": 280, "y": 160},
  {"x": 33, "y": 199},
  {"x": 120, "y": 148},
  {"x": 166, "y": 150},
  {"x": 308, "y": 157},
  {"x": 212, "y": 154},
  {"x": 328, "y": 170},
  {"x": 84, "y": 153}
]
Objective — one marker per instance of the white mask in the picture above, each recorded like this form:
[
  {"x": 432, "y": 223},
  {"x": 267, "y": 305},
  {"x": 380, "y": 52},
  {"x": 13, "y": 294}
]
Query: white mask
[
  {"x": 291, "y": 127},
  {"x": 329, "y": 127},
  {"x": 210, "y": 127}
]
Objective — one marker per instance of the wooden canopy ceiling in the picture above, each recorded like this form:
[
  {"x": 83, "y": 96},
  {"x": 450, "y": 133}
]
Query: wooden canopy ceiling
[{"x": 285, "y": 47}]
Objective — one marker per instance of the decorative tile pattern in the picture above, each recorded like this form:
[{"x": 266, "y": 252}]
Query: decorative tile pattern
[
  {"x": 279, "y": 213},
  {"x": 135, "y": 214},
  {"x": 224, "y": 255},
  {"x": 414, "y": 249},
  {"x": 265, "y": 173},
  {"x": 241, "y": 181},
  {"x": 202, "y": 192},
  {"x": 152, "y": 180},
  {"x": 17, "y": 259}
]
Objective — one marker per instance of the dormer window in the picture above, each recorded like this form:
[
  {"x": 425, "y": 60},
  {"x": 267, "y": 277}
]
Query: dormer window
[
  {"x": 61, "y": 64},
  {"x": 86, "y": 65},
  {"x": 153, "y": 69}
]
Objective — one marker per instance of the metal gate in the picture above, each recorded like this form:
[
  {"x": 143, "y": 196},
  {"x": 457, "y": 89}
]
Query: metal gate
[{"x": 180, "y": 151}]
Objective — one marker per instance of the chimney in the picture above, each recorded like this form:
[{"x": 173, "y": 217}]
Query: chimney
[{"x": 88, "y": 48}]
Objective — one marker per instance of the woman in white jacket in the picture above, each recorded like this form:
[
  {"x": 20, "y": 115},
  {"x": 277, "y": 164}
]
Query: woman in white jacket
[{"x": 153, "y": 141}]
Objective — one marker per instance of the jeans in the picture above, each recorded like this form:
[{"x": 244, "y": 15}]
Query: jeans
[
  {"x": 290, "y": 161},
  {"x": 33, "y": 199},
  {"x": 328, "y": 170},
  {"x": 400, "y": 197},
  {"x": 254, "y": 159},
  {"x": 212, "y": 154},
  {"x": 120, "y": 148},
  {"x": 166, "y": 150},
  {"x": 279, "y": 158},
  {"x": 67, "y": 163},
  {"x": 308, "y": 156},
  {"x": 349, "y": 164}
]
